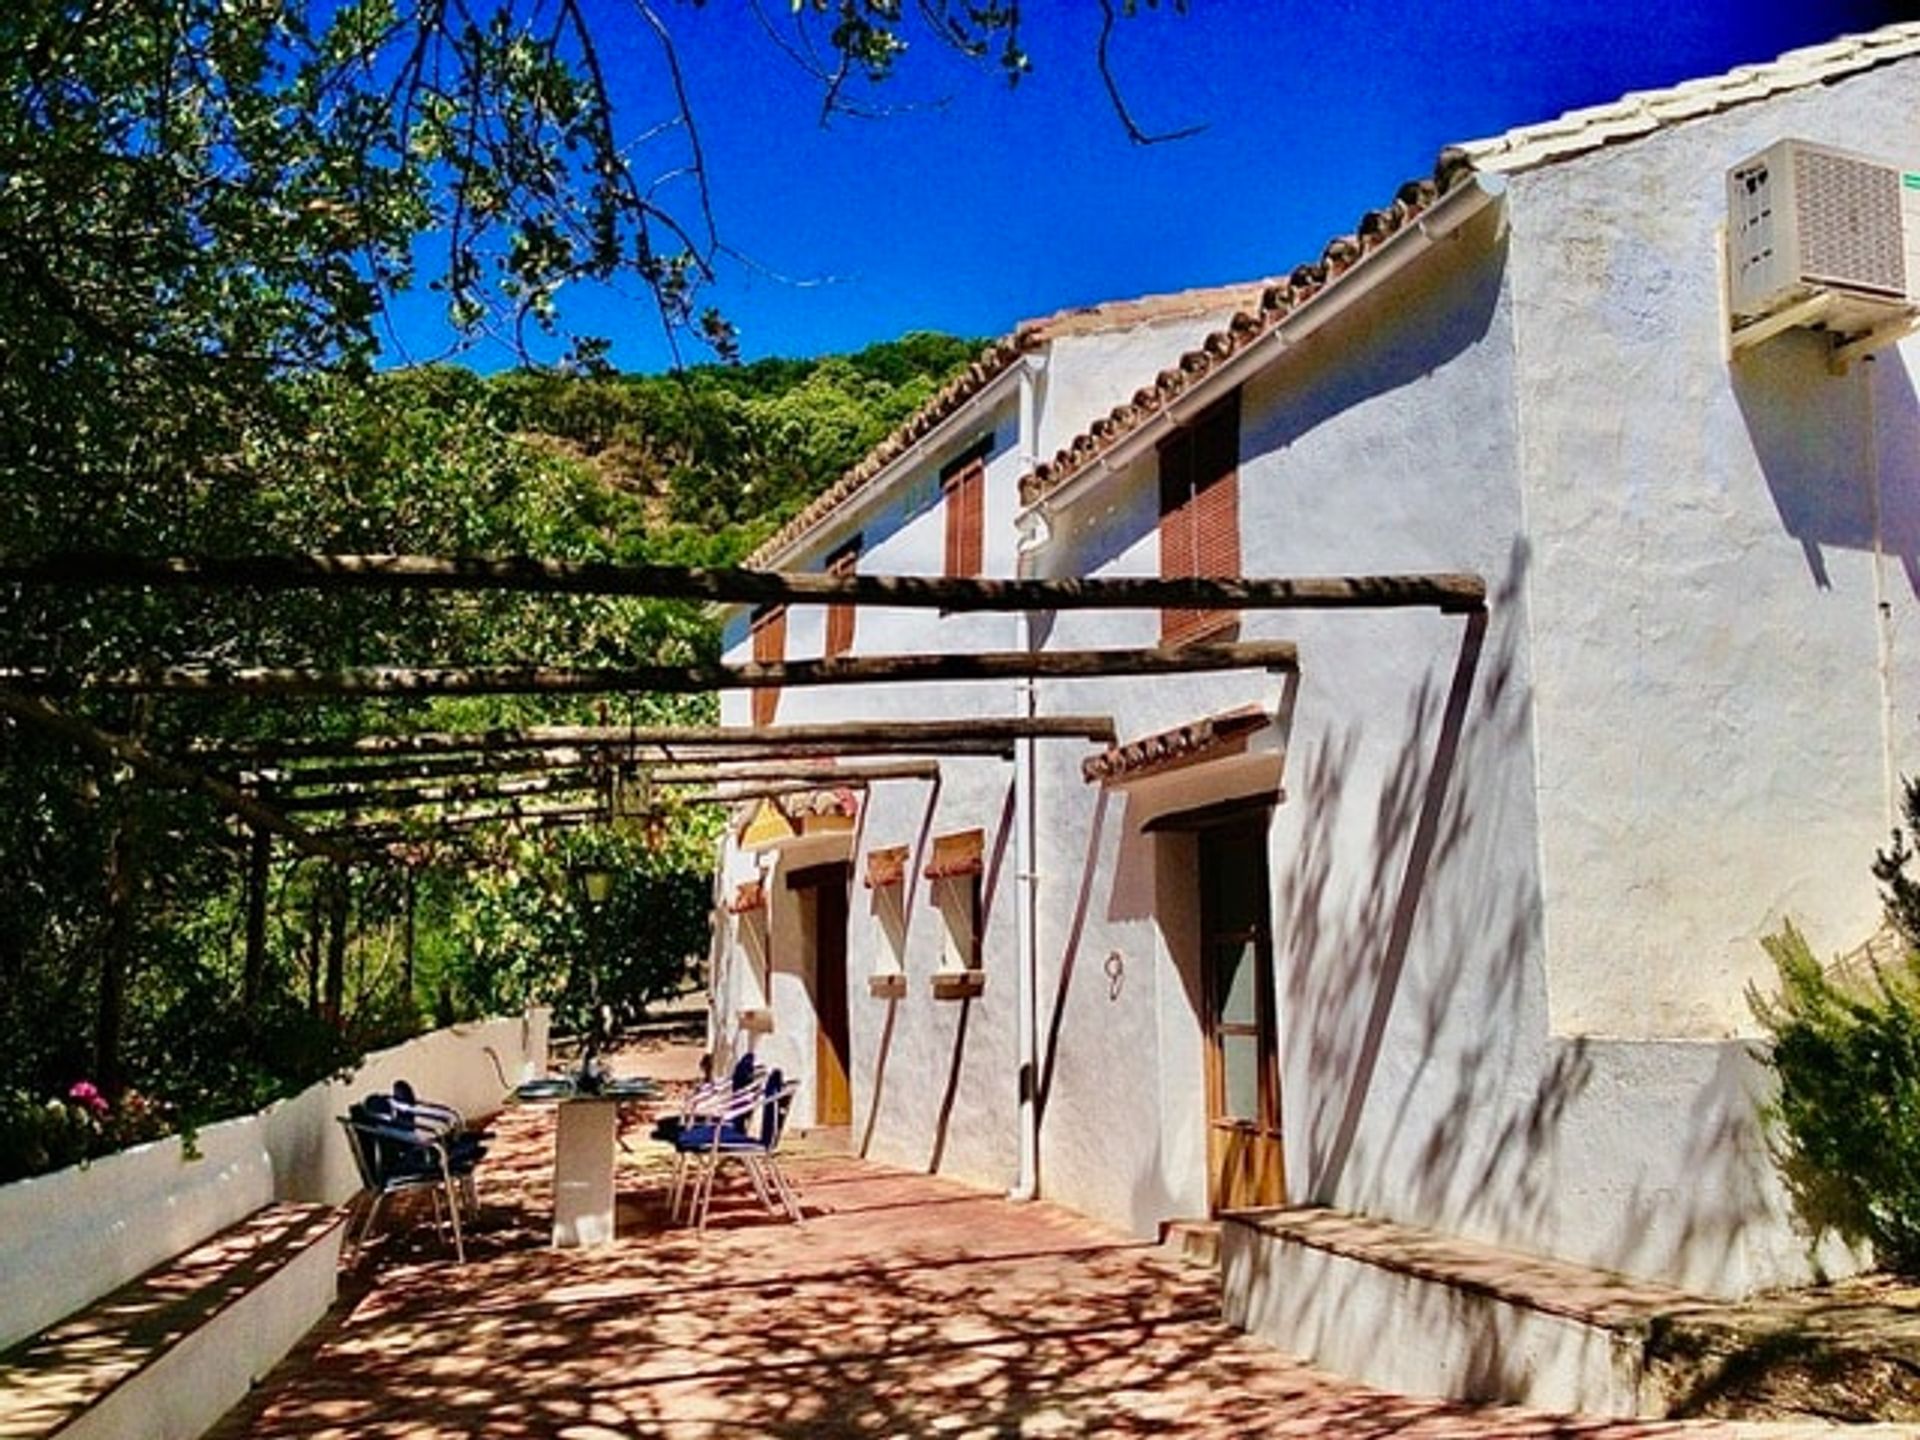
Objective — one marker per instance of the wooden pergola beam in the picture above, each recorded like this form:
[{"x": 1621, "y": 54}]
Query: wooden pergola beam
[
  {"x": 813, "y": 777},
  {"x": 464, "y": 819},
  {"x": 36, "y": 711},
  {"x": 363, "y": 798},
  {"x": 1448, "y": 591},
  {"x": 443, "y": 767},
  {"x": 989, "y": 731},
  {"x": 695, "y": 678}
]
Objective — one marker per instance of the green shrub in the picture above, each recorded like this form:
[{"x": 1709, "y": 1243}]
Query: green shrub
[{"x": 1846, "y": 1119}]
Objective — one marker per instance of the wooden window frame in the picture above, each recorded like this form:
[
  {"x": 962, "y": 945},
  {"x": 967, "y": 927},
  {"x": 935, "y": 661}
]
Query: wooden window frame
[
  {"x": 841, "y": 563},
  {"x": 1199, "y": 476},
  {"x": 768, "y": 629}
]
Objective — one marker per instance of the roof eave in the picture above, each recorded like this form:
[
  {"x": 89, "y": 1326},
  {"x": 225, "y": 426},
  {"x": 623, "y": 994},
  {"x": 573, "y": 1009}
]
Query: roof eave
[{"x": 1444, "y": 218}]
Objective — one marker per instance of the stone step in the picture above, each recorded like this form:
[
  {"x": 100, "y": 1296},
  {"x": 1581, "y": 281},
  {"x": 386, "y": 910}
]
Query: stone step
[
  {"x": 1196, "y": 1240},
  {"x": 1411, "y": 1309}
]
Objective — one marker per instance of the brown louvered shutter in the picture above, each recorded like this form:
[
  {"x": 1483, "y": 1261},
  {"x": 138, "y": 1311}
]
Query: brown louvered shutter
[
  {"x": 1200, "y": 513},
  {"x": 769, "y": 648},
  {"x": 965, "y": 486},
  {"x": 843, "y": 562}
]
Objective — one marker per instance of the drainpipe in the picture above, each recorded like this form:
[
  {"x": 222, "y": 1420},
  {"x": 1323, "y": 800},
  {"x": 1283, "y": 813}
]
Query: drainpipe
[
  {"x": 1027, "y": 1182},
  {"x": 1890, "y": 783}
]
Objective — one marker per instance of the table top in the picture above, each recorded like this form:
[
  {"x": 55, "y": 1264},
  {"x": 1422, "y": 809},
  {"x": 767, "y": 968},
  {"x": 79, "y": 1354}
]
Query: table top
[{"x": 558, "y": 1089}]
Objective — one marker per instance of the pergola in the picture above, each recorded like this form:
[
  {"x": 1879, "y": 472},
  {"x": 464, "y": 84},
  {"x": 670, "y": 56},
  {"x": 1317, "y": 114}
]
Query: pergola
[{"x": 386, "y": 792}]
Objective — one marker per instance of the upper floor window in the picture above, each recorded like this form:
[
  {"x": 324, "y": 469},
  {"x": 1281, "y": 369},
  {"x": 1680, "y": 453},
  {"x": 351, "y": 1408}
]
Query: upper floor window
[
  {"x": 769, "y": 629},
  {"x": 1200, "y": 513},
  {"x": 963, "y": 486},
  {"x": 842, "y": 562}
]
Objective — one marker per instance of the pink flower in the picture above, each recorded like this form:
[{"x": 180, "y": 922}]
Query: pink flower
[{"x": 84, "y": 1093}]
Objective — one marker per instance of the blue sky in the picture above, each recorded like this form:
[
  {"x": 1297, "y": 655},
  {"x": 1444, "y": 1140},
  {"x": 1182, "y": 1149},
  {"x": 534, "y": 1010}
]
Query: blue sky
[{"x": 972, "y": 206}]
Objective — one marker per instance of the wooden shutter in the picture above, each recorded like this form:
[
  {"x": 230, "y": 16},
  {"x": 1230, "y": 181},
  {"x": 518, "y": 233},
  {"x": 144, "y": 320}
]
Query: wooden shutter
[
  {"x": 964, "y": 485},
  {"x": 844, "y": 561},
  {"x": 769, "y": 648},
  {"x": 1200, "y": 513}
]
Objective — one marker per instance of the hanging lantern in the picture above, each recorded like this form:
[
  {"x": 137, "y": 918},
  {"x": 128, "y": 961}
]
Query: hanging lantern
[{"x": 632, "y": 805}]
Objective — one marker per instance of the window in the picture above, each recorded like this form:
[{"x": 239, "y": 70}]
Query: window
[
  {"x": 842, "y": 562},
  {"x": 769, "y": 648},
  {"x": 963, "y": 488},
  {"x": 1200, "y": 513}
]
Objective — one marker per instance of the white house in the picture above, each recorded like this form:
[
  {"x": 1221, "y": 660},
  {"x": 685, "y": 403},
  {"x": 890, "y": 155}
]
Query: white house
[
  {"x": 1454, "y": 925},
  {"x": 822, "y": 973}
]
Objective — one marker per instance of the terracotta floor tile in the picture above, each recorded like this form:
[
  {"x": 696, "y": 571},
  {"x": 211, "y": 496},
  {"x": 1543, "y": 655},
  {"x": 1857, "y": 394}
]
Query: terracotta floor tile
[{"x": 908, "y": 1305}]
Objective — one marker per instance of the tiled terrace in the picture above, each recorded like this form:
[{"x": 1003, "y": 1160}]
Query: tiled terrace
[{"x": 908, "y": 1305}]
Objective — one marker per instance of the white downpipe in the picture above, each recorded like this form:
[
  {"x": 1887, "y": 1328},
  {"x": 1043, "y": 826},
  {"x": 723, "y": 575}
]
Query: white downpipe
[{"x": 1026, "y": 1184}]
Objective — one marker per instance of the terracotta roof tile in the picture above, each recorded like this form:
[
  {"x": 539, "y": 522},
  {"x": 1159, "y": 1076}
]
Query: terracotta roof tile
[
  {"x": 1636, "y": 114},
  {"x": 1277, "y": 302},
  {"x": 993, "y": 361},
  {"x": 1179, "y": 746},
  {"x": 1561, "y": 138}
]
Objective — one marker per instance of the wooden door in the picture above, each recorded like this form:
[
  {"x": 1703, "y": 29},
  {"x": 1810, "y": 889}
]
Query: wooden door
[
  {"x": 1244, "y": 1155},
  {"x": 826, "y": 889}
]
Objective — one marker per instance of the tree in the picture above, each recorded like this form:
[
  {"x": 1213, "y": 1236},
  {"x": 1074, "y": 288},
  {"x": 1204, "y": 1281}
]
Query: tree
[{"x": 205, "y": 207}]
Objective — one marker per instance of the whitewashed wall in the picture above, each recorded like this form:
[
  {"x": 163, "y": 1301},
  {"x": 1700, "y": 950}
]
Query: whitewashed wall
[
  {"x": 1441, "y": 1063},
  {"x": 68, "y": 1238},
  {"x": 934, "y": 1082},
  {"x": 1717, "y": 738}
]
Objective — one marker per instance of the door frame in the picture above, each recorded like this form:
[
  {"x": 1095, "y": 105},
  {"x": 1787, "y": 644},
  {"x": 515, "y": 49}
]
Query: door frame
[
  {"x": 832, "y": 1019},
  {"x": 1246, "y": 1158}
]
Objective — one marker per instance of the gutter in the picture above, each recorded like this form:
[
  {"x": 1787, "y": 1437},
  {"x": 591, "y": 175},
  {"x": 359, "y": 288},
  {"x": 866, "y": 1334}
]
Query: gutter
[{"x": 1440, "y": 222}]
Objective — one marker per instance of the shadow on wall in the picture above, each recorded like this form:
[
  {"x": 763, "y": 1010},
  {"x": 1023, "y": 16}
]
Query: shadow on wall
[
  {"x": 896, "y": 914},
  {"x": 1823, "y": 440},
  {"x": 1407, "y": 988},
  {"x": 1070, "y": 955},
  {"x": 989, "y": 888},
  {"x": 1435, "y": 1093},
  {"x": 1419, "y": 327},
  {"x": 1725, "y": 1134}
]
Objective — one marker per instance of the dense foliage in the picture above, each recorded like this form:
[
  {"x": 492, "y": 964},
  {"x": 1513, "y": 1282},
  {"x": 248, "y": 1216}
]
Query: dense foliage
[
  {"x": 124, "y": 884},
  {"x": 1846, "y": 1053},
  {"x": 205, "y": 208}
]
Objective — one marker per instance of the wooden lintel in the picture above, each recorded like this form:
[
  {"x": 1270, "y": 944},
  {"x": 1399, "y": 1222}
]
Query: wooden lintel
[
  {"x": 666, "y": 679},
  {"x": 1446, "y": 590},
  {"x": 124, "y": 750}
]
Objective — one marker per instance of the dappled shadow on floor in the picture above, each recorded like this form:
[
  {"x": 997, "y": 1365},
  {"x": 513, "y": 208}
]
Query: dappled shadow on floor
[{"x": 907, "y": 1305}]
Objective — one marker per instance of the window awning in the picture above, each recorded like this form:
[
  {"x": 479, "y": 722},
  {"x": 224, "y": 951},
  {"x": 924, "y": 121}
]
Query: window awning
[
  {"x": 887, "y": 866},
  {"x": 959, "y": 854},
  {"x": 748, "y": 895},
  {"x": 837, "y": 800},
  {"x": 1208, "y": 738}
]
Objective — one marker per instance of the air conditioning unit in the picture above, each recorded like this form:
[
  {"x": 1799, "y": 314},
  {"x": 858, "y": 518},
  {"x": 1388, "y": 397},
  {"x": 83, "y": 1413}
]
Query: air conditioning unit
[{"x": 1822, "y": 237}]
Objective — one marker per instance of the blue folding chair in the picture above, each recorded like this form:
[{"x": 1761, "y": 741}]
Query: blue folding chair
[
  {"x": 748, "y": 1129},
  {"x": 394, "y": 1157}
]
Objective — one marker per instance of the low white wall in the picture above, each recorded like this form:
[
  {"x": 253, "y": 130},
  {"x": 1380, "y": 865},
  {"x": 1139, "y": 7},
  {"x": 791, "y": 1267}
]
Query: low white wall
[{"x": 68, "y": 1238}]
